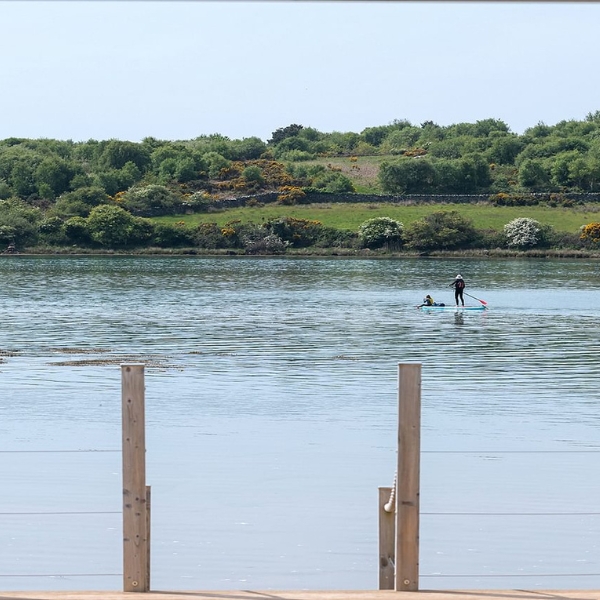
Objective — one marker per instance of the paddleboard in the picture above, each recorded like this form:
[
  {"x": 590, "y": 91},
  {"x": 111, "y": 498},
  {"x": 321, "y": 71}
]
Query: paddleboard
[{"x": 450, "y": 307}]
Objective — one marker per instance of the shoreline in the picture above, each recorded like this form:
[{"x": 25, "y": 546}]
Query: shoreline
[{"x": 497, "y": 253}]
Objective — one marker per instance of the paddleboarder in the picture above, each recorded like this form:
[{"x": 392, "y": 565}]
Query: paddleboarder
[
  {"x": 428, "y": 301},
  {"x": 459, "y": 287}
]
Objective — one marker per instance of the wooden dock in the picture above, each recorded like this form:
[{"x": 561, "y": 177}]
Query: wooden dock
[{"x": 312, "y": 595}]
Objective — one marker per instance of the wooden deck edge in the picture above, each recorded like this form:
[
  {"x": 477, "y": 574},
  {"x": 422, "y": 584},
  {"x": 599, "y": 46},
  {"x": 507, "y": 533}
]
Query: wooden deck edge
[{"x": 309, "y": 595}]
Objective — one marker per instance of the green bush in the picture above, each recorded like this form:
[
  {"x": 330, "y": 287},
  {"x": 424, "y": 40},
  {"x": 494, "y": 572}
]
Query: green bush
[
  {"x": 76, "y": 231},
  {"x": 380, "y": 232},
  {"x": 330, "y": 237},
  {"x": 253, "y": 174},
  {"x": 215, "y": 162},
  {"x": 297, "y": 232},
  {"x": 51, "y": 230},
  {"x": 110, "y": 226},
  {"x": 209, "y": 236},
  {"x": 441, "y": 230},
  {"x": 19, "y": 222},
  {"x": 151, "y": 200},
  {"x": 332, "y": 182},
  {"x": 172, "y": 236}
]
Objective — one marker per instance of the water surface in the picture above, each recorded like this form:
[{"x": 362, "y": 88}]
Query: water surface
[{"x": 271, "y": 405}]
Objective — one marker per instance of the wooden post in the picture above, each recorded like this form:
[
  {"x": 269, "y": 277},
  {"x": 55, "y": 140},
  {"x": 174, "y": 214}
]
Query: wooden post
[
  {"x": 148, "y": 530},
  {"x": 407, "y": 495},
  {"x": 135, "y": 534},
  {"x": 387, "y": 537}
]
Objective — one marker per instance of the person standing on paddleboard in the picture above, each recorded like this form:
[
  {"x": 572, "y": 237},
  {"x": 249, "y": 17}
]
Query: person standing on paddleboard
[{"x": 459, "y": 286}]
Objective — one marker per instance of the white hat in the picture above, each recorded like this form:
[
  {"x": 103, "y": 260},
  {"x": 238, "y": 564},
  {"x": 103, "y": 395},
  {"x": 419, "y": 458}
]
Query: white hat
[{"x": 458, "y": 277}]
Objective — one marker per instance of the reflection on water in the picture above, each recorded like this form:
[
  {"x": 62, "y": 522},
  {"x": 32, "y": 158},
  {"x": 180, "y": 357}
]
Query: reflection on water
[{"x": 271, "y": 411}]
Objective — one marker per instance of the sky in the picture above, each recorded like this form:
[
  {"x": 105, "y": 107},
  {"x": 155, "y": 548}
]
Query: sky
[{"x": 174, "y": 70}]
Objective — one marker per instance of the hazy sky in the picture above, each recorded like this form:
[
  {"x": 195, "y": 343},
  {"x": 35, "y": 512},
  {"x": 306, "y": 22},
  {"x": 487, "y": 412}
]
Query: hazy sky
[{"x": 177, "y": 70}]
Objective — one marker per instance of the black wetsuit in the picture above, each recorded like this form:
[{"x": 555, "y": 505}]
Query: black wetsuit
[{"x": 459, "y": 286}]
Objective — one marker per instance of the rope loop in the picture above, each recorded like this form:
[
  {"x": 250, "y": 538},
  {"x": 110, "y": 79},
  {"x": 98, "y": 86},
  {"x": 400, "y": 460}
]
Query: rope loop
[{"x": 390, "y": 506}]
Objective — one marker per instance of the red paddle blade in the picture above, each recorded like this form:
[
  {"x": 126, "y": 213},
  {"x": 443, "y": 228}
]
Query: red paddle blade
[{"x": 482, "y": 301}]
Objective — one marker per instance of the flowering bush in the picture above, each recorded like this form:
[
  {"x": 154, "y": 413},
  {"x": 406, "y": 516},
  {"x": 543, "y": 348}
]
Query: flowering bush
[
  {"x": 381, "y": 231},
  {"x": 254, "y": 243},
  {"x": 591, "y": 233},
  {"x": 523, "y": 232},
  {"x": 289, "y": 195}
]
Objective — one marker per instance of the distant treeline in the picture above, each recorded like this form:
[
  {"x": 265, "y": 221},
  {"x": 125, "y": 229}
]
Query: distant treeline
[{"x": 53, "y": 181}]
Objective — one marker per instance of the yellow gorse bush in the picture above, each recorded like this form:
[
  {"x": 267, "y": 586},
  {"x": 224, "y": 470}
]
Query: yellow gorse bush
[{"x": 591, "y": 233}]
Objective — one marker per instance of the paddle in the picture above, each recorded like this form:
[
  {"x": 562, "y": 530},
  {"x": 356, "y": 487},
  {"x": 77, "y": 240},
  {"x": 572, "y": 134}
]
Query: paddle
[{"x": 482, "y": 301}]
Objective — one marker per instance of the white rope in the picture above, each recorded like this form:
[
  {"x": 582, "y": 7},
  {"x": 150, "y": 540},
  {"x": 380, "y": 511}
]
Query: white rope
[{"x": 391, "y": 503}]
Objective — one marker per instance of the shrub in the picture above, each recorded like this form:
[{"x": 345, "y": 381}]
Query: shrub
[
  {"x": 110, "y": 226},
  {"x": 253, "y": 174},
  {"x": 330, "y": 237},
  {"x": 19, "y": 222},
  {"x": 151, "y": 200},
  {"x": 381, "y": 231},
  {"x": 210, "y": 236},
  {"x": 441, "y": 230},
  {"x": 334, "y": 183},
  {"x": 172, "y": 236},
  {"x": 297, "y": 232},
  {"x": 51, "y": 230},
  {"x": 591, "y": 233},
  {"x": 198, "y": 202},
  {"x": 215, "y": 162},
  {"x": 489, "y": 239},
  {"x": 523, "y": 233},
  {"x": 258, "y": 243},
  {"x": 76, "y": 231},
  {"x": 141, "y": 231},
  {"x": 296, "y": 156},
  {"x": 290, "y": 195}
]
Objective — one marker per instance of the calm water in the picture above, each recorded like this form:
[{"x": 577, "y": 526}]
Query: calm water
[{"x": 271, "y": 415}]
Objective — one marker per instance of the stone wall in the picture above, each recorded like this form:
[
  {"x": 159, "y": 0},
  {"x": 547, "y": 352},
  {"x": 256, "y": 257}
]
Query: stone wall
[{"x": 315, "y": 197}]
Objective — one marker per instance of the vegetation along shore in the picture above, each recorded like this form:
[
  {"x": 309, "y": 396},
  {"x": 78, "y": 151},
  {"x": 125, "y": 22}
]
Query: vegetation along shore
[{"x": 397, "y": 189}]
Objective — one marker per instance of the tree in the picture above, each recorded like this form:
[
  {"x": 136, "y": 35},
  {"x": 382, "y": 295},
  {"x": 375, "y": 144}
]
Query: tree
[
  {"x": 505, "y": 149},
  {"x": 407, "y": 176},
  {"x": 55, "y": 174},
  {"x": 449, "y": 176},
  {"x": 285, "y": 132},
  {"x": 291, "y": 143},
  {"x": 117, "y": 153},
  {"x": 18, "y": 222},
  {"x": 247, "y": 149},
  {"x": 533, "y": 175},
  {"x": 399, "y": 140},
  {"x": 441, "y": 230},
  {"x": 18, "y": 165},
  {"x": 374, "y": 136},
  {"x": 215, "y": 162},
  {"x": 475, "y": 173}
]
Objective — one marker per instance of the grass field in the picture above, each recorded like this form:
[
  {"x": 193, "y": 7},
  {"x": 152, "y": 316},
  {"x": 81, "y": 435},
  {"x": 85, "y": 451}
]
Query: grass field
[{"x": 350, "y": 216}]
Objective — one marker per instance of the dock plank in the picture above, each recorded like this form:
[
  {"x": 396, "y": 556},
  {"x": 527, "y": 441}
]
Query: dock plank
[{"x": 311, "y": 595}]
